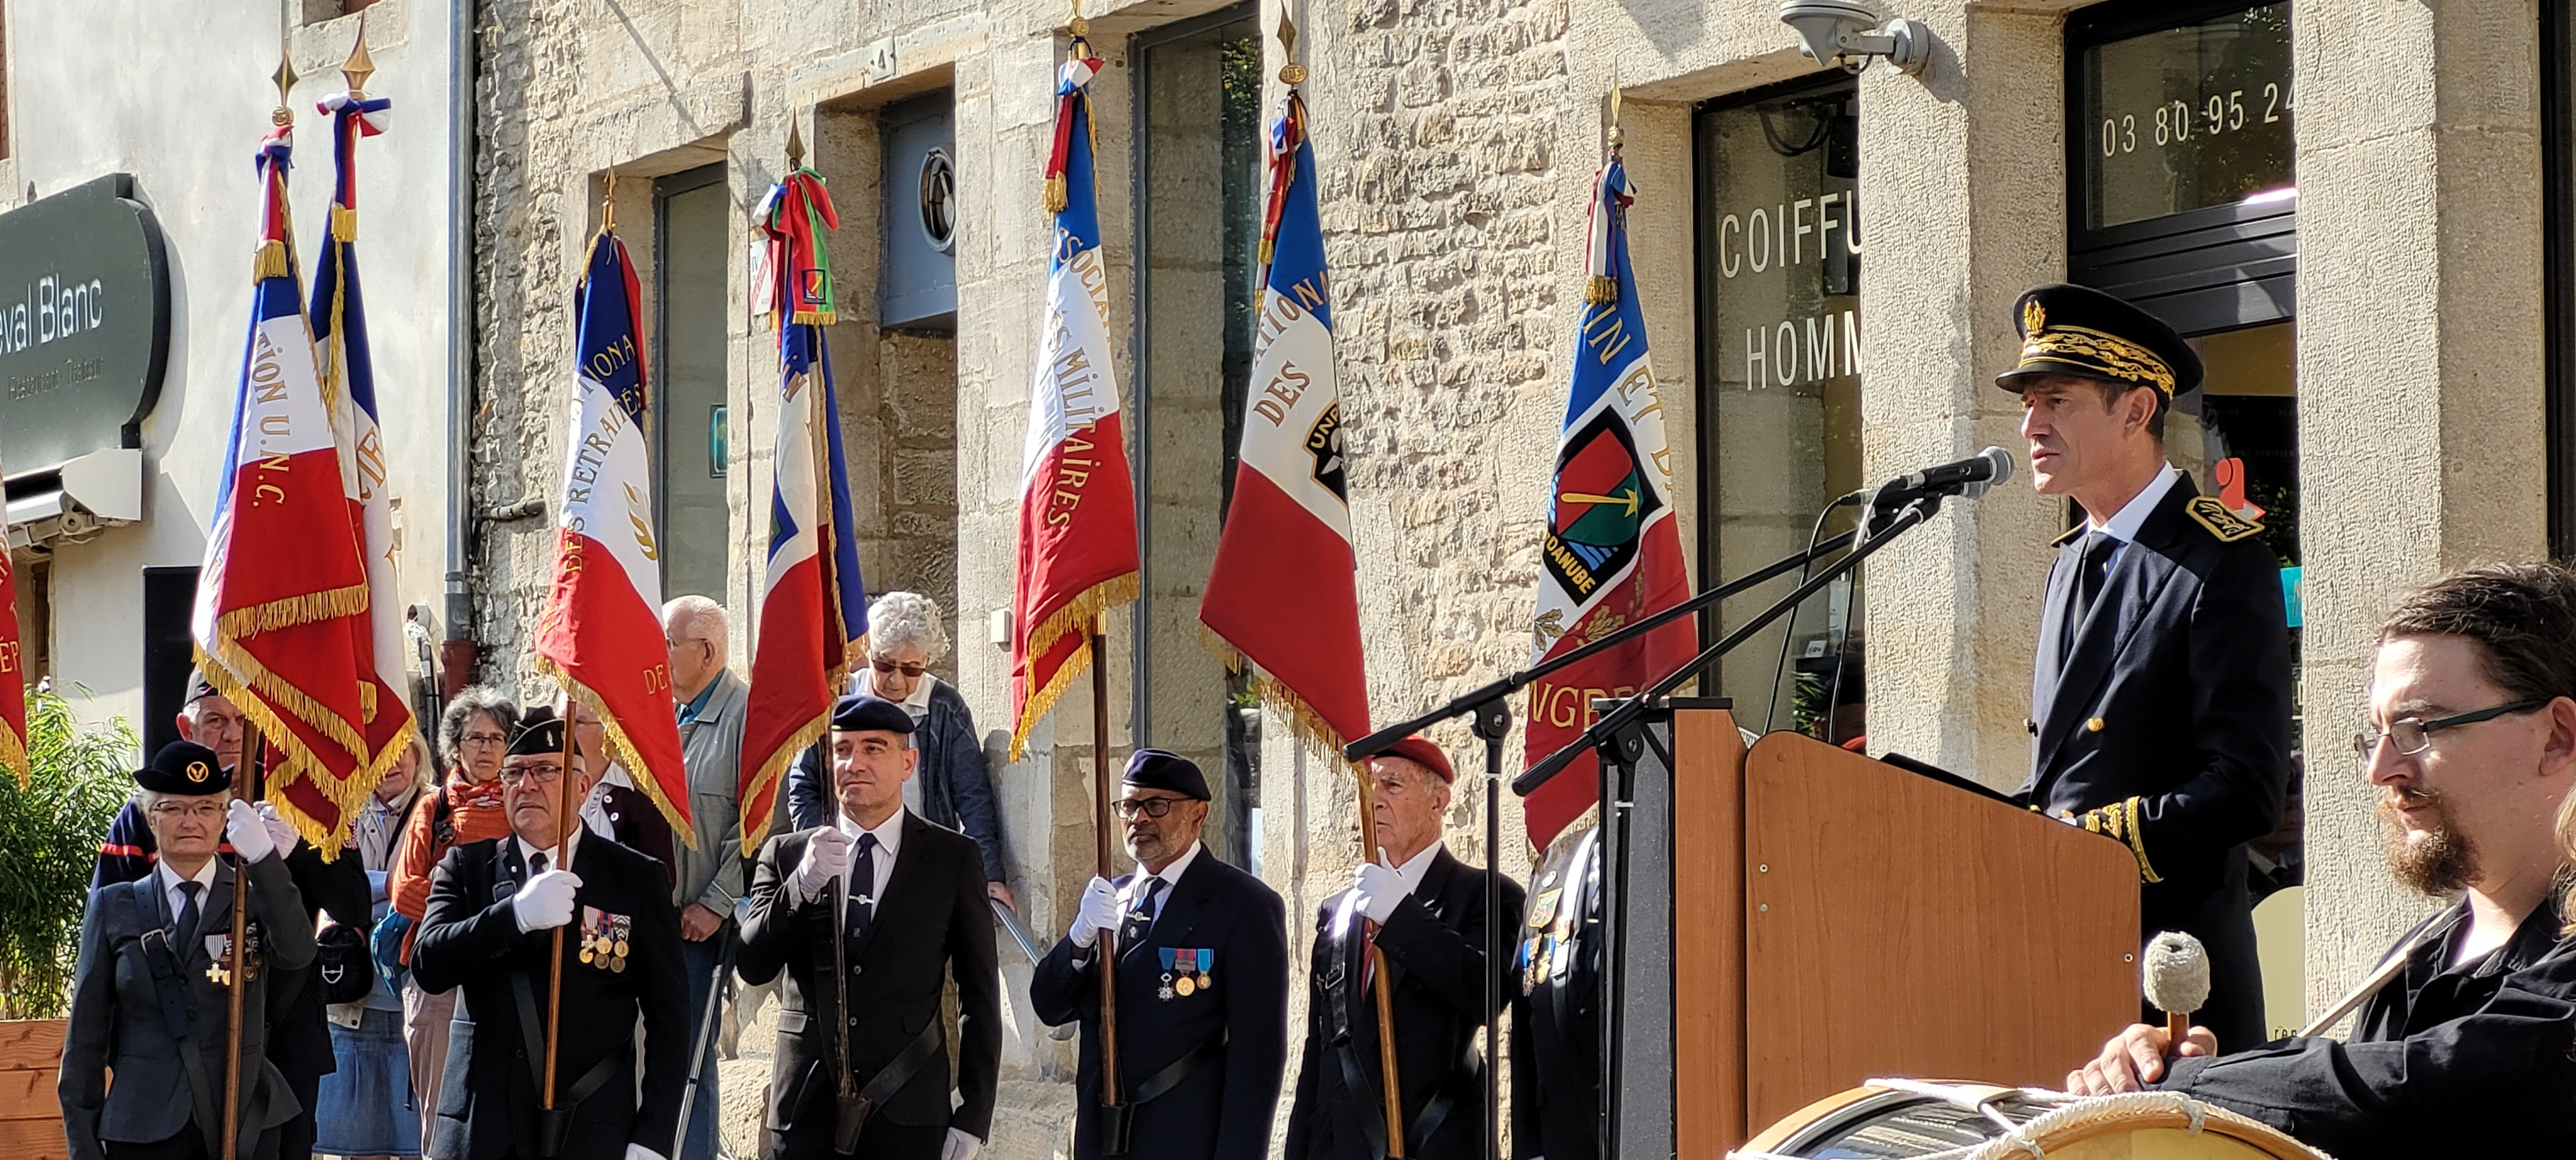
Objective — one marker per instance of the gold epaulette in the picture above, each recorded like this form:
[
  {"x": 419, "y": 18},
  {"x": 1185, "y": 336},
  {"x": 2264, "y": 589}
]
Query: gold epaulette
[{"x": 2228, "y": 526}]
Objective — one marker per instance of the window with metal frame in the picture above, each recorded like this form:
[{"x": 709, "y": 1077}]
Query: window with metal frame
[{"x": 693, "y": 217}]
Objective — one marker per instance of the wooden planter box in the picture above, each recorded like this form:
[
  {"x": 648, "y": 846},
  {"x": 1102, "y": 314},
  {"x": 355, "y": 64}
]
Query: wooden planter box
[{"x": 31, "y": 1116}]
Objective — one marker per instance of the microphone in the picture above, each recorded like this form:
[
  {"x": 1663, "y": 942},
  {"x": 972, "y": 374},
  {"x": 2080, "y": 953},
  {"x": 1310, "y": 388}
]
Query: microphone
[{"x": 1968, "y": 477}]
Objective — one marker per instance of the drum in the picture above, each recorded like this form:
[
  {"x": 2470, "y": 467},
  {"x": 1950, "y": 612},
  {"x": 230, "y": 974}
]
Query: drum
[{"x": 1896, "y": 1119}]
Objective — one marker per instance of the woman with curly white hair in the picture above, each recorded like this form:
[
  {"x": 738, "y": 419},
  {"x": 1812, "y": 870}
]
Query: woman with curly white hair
[{"x": 953, "y": 785}]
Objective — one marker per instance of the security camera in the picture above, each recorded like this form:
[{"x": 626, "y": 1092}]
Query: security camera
[{"x": 1837, "y": 32}]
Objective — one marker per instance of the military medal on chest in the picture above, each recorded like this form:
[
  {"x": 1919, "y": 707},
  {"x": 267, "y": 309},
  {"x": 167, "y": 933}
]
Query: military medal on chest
[
  {"x": 1186, "y": 971},
  {"x": 604, "y": 938}
]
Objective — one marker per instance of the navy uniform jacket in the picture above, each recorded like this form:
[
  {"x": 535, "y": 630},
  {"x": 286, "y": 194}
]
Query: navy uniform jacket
[
  {"x": 2445, "y": 1061},
  {"x": 1223, "y": 1110},
  {"x": 488, "y": 1103},
  {"x": 1556, "y": 1032},
  {"x": 2167, "y": 725},
  {"x": 1435, "y": 951},
  {"x": 934, "y": 920},
  {"x": 118, "y": 1021}
]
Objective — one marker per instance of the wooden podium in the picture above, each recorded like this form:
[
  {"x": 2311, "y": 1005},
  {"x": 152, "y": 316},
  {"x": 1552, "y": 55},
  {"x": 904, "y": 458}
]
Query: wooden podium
[{"x": 1827, "y": 918}]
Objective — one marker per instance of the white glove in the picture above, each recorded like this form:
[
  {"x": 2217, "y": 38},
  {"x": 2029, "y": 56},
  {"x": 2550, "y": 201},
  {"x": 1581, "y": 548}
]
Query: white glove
[
  {"x": 827, "y": 856},
  {"x": 247, "y": 831},
  {"x": 545, "y": 902},
  {"x": 640, "y": 1152},
  {"x": 280, "y": 835},
  {"x": 1380, "y": 889},
  {"x": 1099, "y": 912},
  {"x": 961, "y": 1145}
]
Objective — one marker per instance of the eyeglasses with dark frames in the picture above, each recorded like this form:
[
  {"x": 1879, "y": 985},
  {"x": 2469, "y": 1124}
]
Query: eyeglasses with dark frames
[
  {"x": 2412, "y": 736},
  {"x": 1152, "y": 807}
]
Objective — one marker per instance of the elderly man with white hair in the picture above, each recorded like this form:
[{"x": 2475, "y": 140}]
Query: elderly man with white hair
[
  {"x": 709, "y": 877},
  {"x": 953, "y": 786}
]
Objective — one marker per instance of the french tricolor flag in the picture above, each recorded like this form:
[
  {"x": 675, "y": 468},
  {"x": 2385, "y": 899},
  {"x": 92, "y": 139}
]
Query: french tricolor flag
[{"x": 283, "y": 584}]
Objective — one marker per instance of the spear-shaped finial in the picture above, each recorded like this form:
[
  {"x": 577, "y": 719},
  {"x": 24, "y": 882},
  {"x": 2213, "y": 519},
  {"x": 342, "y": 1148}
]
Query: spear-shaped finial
[
  {"x": 1291, "y": 73},
  {"x": 1079, "y": 26},
  {"x": 359, "y": 66},
  {"x": 608, "y": 199},
  {"x": 285, "y": 78},
  {"x": 795, "y": 146},
  {"x": 1616, "y": 137}
]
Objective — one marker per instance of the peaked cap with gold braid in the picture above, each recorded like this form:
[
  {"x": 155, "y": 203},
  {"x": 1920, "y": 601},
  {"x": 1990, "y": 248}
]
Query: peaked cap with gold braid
[{"x": 2081, "y": 331}]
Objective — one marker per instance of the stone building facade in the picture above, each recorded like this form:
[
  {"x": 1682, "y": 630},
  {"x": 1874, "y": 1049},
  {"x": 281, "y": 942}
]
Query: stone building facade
[{"x": 1456, "y": 143}]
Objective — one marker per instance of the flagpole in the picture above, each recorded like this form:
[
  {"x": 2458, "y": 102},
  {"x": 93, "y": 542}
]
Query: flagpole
[
  {"x": 234, "y": 976},
  {"x": 564, "y": 823},
  {"x": 1103, "y": 857}
]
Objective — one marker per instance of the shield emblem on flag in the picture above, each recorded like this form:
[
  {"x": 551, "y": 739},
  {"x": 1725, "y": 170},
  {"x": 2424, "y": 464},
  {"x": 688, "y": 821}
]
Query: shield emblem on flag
[{"x": 1602, "y": 503}]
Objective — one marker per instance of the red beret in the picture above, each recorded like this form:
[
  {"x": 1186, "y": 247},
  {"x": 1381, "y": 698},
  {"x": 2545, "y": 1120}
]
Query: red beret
[{"x": 1419, "y": 750}]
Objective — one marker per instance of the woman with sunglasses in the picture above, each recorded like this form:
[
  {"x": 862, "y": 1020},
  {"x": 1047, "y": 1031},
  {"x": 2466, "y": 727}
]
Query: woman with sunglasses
[{"x": 953, "y": 786}]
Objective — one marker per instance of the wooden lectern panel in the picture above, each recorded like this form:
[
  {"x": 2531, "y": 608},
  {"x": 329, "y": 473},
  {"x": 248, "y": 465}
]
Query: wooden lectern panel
[
  {"x": 1897, "y": 926},
  {"x": 1708, "y": 944}
]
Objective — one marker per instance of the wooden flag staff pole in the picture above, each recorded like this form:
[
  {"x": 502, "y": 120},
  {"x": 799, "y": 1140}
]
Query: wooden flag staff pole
[
  {"x": 1394, "y": 1100},
  {"x": 234, "y": 975},
  {"x": 565, "y": 822},
  {"x": 1104, "y": 856}
]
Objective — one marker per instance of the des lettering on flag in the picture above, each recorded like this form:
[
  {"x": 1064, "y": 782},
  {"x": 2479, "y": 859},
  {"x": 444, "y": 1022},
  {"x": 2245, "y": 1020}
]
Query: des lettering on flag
[
  {"x": 1612, "y": 554},
  {"x": 1077, "y": 527},
  {"x": 814, "y": 604},
  {"x": 339, "y": 321},
  {"x": 600, "y": 636},
  {"x": 283, "y": 588},
  {"x": 1283, "y": 595}
]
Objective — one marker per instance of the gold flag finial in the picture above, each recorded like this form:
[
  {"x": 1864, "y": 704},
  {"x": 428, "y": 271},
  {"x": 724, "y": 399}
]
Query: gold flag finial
[
  {"x": 608, "y": 201},
  {"x": 1616, "y": 137},
  {"x": 1079, "y": 26},
  {"x": 795, "y": 146},
  {"x": 359, "y": 66},
  {"x": 285, "y": 78},
  {"x": 1291, "y": 73}
]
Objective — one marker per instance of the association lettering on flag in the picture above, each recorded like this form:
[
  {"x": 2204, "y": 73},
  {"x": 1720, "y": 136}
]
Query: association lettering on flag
[
  {"x": 1076, "y": 555},
  {"x": 600, "y": 636},
  {"x": 283, "y": 590},
  {"x": 1282, "y": 599},
  {"x": 1611, "y": 555}
]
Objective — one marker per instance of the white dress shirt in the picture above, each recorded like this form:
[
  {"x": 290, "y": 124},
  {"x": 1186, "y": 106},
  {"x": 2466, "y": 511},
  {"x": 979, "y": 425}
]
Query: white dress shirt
[
  {"x": 1416, "y": 868},
  {"x": 528, "y": 854},
  {"x": 1171, "y": 877},
  {"x": 889, "y": 835},
  {"x": 170, "y": 880},
  {"x": 2124, "y": 524}
]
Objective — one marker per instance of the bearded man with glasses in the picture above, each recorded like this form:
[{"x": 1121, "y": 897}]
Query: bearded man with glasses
[{"x": 2465, "y": 1043}]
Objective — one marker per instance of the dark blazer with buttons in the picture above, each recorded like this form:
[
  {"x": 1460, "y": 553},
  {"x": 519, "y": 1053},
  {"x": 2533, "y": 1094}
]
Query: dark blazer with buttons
[
  {"x": 933, "y": 922},
  {"x": 117, "y": 1021},
  {"x": 1223, "y": 1110},
  {"x": 2167, "y": 725},
  {"x": 1435, "y": 952},
  {"x": 488, "y": 1103}
]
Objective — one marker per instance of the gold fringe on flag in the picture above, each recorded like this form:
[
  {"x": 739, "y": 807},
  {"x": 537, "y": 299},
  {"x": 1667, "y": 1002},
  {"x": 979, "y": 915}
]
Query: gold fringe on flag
[
  {"x": 1305, "y": 724},
  {"x": 755, "y": 830},
  {"x": 253, "y": 699},
  {"x": 1601, "y": 288},
  {"x": 292, "y": 611},
  {"x": 1075, "y": 616},
  {"x": 269, "y": 261},
  {"x": 621, "y": 750},
  {"x": 813, "y": 318},
  {"x": 344, "y": 224},
  {"x": 1054, "y": 196},
  {"x": 13, "y": 757}
]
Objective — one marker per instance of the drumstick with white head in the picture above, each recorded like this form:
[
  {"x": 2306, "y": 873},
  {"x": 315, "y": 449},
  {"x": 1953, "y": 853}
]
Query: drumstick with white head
[{"x": 2177, "y": 981}]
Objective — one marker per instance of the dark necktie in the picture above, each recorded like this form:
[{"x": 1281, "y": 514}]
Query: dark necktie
[
  {"x": 2098, "y": 547},
  {"x": 188, "y": 914},
  {"x": 536, "y": 863},
  {"x": 863, "y": 885},
  {"x": 1140, "y": 917}
]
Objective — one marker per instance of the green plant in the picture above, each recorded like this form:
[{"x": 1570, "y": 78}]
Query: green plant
[{"x": 49, "y": 834}]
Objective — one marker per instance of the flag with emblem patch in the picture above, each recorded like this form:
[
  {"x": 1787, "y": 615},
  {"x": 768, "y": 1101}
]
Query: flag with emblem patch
[
  {"x": 1612, "y": 554},
  {"x": 282, "y": 595},
  {"x": 813, "y": 605},
  {"x": 1283, "y": 595},
  {"x": 339, "y": 320},
  {"x": 600, "y": 636},
  {"x": 1077, "y": 536}
]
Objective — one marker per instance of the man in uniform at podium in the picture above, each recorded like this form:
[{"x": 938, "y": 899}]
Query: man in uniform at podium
[
  {"x": 1428, "y": 912},
  {"x": 2160, "y": 696}
]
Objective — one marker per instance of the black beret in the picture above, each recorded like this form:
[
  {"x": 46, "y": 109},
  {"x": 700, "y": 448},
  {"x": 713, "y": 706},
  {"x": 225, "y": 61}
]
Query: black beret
[
  {"x": 866, "y": 711},
  {"x": 186, "y": 768},
  {"x": 538, "y": 732},
  {"x": 2081, "y": 331},
  {"x": 1164, "y": 769}
]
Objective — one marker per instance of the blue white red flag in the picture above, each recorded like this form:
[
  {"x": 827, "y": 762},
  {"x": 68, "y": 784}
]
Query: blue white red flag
[
  {"x": 814, "y": 605},
  {"x": 283, "y": 590},
  {"x": 1283, "y": 594},
  {"x": 1612, "y": 554},
  {"x": 600, "y": 636},
  {"x": 1076, "y": 556},
  {"x": 339, "y": 321}
]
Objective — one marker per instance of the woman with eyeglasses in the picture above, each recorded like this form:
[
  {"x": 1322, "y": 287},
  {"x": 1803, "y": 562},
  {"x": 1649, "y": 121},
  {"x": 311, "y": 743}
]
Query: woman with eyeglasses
[{"x": 954, "y": 786}]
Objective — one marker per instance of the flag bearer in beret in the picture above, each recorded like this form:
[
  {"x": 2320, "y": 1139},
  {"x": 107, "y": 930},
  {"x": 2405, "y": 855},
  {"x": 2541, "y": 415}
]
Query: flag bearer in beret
[
  {"x": 862, "y": 1065},
  {"x": 151, "y": 997},
  {"x": 2160, "y": 696},
  {"x": 1202, "y": 980},
  {"x": 488, "y": 928},
  {"x": 1428, "y": 912}
]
